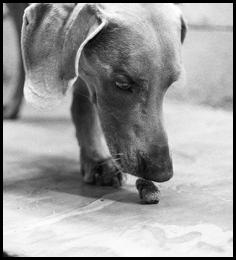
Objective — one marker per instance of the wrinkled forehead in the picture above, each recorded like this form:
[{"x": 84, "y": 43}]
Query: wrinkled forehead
[
  {"x": 118, "y": 47},
  {"x": 134, "y": 39}
]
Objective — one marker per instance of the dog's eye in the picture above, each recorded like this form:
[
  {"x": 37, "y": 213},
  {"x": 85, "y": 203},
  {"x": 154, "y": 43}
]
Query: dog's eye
[
  {"x": 123, "y": 82},
  {"x": 123, "y": 85}
]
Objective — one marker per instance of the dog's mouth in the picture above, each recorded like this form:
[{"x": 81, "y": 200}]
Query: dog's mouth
[
  {"x": 139, "y": 165},
  {"x": 126, "y": 162}
]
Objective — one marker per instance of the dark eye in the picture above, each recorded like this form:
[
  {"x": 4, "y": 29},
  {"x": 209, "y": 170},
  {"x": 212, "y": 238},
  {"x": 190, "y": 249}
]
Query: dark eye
[{"x": 123, "y": 85}]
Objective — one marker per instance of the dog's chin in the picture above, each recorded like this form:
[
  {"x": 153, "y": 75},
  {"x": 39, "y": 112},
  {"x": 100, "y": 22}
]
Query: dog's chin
[{"x": 41, "y": 100}]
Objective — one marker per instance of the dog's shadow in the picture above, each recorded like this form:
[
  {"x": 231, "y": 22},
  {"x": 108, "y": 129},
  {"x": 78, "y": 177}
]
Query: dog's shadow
[{"x": 61, "y": 175}]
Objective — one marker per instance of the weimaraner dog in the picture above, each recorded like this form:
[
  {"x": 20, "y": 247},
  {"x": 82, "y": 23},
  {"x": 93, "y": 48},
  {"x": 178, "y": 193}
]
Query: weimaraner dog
[{"x": 120, "y": 59}]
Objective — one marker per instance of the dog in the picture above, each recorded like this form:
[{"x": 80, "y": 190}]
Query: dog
[{"x": 120, "y": 58}]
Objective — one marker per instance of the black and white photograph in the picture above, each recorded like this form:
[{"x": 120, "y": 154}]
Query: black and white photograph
[{"x": 117, "y": 129}]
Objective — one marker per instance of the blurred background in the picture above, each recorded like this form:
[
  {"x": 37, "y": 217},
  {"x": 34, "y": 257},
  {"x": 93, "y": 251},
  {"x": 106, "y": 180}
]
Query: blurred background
[{"x": 207, "y": 55}]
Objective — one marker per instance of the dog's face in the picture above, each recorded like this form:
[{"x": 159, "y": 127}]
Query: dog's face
[{"x": 128, "y": 55}]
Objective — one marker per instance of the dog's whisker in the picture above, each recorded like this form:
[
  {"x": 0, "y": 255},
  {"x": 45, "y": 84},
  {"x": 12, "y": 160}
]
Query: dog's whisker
[
  {"x": 116, "y": 159},
  {"x": 119, "y": 154}
]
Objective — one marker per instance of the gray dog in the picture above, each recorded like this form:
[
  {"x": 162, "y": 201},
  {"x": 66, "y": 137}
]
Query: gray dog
[{"x": 120, "y": 58}]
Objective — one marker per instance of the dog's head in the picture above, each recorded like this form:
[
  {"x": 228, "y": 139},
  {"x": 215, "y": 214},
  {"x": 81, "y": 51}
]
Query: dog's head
[{"x": 127, "y": 54}]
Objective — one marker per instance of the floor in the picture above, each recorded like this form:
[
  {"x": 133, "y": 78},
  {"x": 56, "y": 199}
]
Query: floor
[{"x": 48, "y": 211}]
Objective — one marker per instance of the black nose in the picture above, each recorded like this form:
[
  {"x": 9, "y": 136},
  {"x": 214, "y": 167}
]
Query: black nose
[
  {"x": 159, "y": 172},
  {"x": 156, "y": 166}
]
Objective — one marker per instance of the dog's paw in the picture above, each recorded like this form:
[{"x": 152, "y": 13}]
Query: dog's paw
[
  {"x": 148, "y": 192},
  {"x": 105, "y": 173}
]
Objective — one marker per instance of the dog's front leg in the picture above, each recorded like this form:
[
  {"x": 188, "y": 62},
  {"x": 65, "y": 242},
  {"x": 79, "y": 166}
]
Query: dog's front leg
[{"x": 97, "y": 165}]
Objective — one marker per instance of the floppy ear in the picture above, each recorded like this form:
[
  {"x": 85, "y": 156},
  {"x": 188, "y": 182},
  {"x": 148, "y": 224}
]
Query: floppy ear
[
  {"x": 52, "y": 43},
  {"x": 85, "y": 23},
  {"x": 183, "y": 29}
]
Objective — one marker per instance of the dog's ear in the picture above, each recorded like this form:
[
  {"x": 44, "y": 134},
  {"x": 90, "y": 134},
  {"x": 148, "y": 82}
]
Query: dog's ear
[
  {"x": 85, "y": 24},
  {"x": 53, "y": 38},
  {"x": 183, "y": 28}
]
